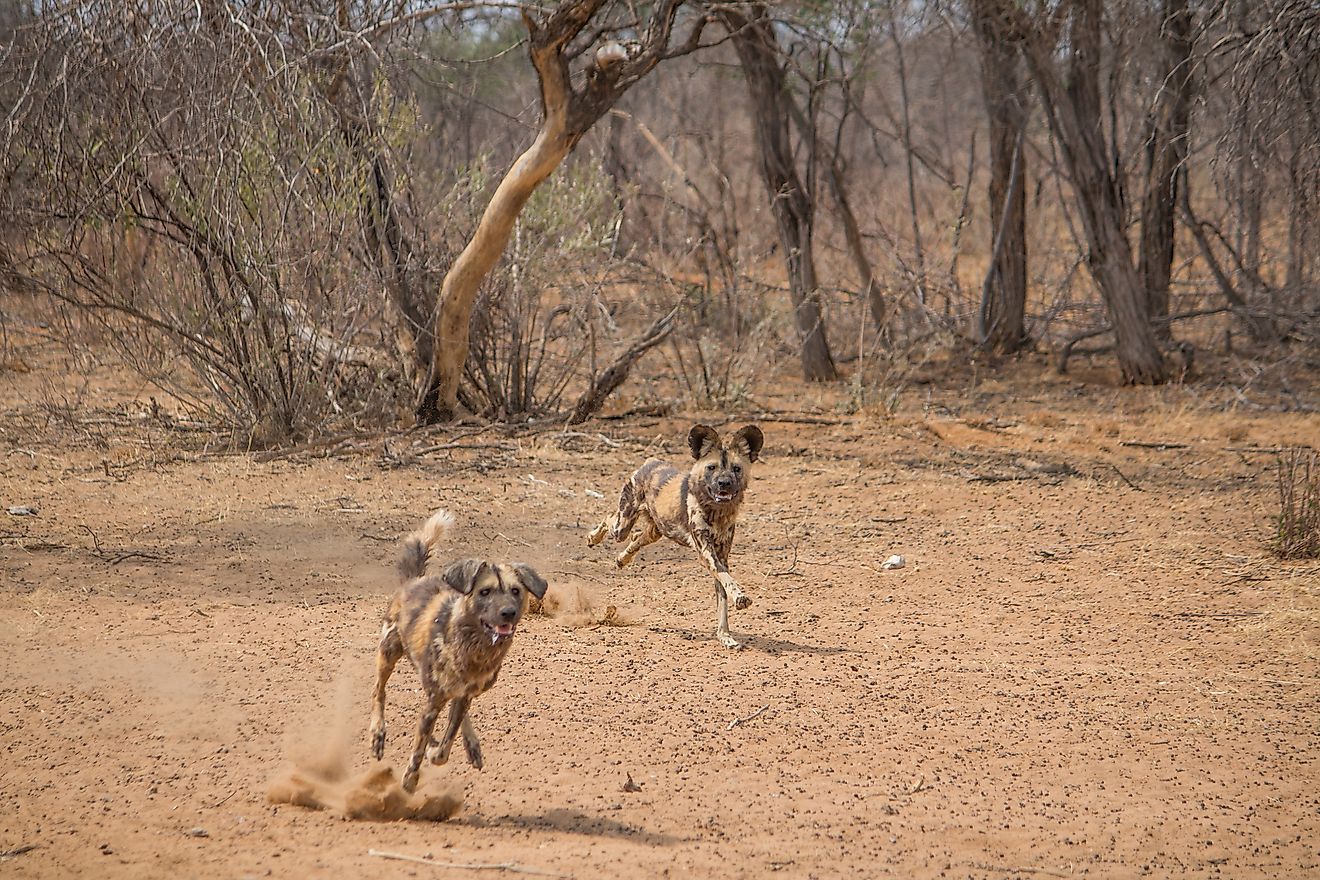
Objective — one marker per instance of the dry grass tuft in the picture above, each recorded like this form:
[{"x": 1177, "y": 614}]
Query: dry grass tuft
[{"x": 1298, "y": 532}]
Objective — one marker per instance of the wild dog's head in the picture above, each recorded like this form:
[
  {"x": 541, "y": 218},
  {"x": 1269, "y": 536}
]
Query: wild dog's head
[
  {"x": 495, "y": 595},
  {"x": 723, "y": 464}
]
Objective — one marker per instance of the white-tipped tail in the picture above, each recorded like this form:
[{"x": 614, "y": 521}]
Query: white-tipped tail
[
  {"x": 436, "y": 529},
  {"x": 417, "y": 546}
]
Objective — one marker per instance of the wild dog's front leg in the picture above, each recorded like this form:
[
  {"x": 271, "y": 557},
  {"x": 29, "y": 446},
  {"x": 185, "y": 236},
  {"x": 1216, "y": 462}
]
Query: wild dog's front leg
[
  {"x": 424, "y": 728},
  {"x": 438, "y": 753},
  {"x": 726, "y": 588},
  {"x": 715, "y": 561}
]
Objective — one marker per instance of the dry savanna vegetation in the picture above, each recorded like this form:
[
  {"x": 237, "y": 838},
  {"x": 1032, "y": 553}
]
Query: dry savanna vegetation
[{"x": 1024, "y": 293}]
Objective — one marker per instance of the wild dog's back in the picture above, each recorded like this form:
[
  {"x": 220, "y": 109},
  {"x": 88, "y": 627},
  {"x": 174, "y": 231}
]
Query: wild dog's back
[{"x": 662, "y": 491}]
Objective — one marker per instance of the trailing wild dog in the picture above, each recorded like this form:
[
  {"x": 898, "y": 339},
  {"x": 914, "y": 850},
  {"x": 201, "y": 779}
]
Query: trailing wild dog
[
  {"x": 456, "y": 628},
  {"x": 697, "y": 508}
]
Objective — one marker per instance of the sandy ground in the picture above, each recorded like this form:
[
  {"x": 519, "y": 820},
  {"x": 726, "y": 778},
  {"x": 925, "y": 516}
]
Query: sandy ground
[{"x": 1090, "y": 666}]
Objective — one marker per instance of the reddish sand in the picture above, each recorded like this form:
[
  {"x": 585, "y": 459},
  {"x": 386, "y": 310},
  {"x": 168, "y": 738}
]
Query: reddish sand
[{"x": 1090, "y": 665}]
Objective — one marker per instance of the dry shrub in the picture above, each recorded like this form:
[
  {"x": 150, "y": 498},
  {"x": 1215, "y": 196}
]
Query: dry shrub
[
  {"x": 541, "y": 316},
  {"x": 1298, "y": 532}
]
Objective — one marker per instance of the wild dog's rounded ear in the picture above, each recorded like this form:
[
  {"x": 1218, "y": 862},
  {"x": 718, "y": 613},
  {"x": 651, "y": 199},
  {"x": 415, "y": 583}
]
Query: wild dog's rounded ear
[
  {"x": 751, "y": 439},
  {"x": 534, "y": 583},
  {"x": 462, "y": 575},
  {"x": 702, "y": 439}
]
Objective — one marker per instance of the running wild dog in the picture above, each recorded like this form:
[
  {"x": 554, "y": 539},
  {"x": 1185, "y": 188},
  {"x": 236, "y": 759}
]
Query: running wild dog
[
  {"x": 456, "y": 628},
  {"x": 698, "y": 509}
]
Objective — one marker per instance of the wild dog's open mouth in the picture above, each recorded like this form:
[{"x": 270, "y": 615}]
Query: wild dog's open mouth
[
  {"x": 721, "y": 497},
  {"x": 500, "y": 631}
]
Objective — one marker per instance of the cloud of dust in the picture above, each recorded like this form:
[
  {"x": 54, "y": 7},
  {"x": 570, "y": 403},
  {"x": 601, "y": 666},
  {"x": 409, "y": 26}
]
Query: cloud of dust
[
  {"x": 322, "y": 779},
  {"x": 572, "y": 605}
]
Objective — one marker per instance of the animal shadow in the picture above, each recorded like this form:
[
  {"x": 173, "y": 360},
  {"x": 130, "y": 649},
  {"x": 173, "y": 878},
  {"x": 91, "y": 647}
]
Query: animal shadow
[{"x": 576, "y": 822}]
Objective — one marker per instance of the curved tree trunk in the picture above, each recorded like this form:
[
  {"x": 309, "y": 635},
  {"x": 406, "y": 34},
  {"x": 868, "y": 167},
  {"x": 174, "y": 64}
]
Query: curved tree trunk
[
  {"x": 1002, "y": 319},
  {"x": 1166, "y": 151},
  {"x": 758, "y": 53},
  {"x": 567, "y": 114}
]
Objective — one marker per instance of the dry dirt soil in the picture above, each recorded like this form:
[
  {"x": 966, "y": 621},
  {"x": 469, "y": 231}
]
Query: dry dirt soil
[{"x": 1091, "y": 665}]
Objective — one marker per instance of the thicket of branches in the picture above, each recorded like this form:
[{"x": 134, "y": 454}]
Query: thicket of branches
[{"x": 299, "y": 212}]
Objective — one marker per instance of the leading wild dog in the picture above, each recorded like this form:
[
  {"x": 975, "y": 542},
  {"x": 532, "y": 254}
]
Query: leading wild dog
[
  {"x": 456, "y": 628},
  {"x": 698, "y": 509}
]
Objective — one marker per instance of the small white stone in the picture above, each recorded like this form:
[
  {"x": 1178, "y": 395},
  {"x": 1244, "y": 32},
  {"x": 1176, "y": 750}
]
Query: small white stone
[{"x": 893, "y": 562}]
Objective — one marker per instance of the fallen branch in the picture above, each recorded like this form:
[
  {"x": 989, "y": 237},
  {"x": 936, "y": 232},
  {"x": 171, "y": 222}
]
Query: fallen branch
[
  {"x": 1142, "y": 444},
  {"x": 1122, "y": 476},
  {"x": 17, "y": 851},
  {"x": 465, "y": 866},
  {"x": 795, "y": 419},
  {"x": 605, "y": 384},
  {"x": 1007, "y": 870},
  {"x": 1068, "y": 349},
  {"x": 737, "y": 721}
]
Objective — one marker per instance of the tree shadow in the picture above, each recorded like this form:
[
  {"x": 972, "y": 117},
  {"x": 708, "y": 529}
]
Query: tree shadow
[
  {"x": 577, "y": 822},
  {"x": 764, "y": 644}
]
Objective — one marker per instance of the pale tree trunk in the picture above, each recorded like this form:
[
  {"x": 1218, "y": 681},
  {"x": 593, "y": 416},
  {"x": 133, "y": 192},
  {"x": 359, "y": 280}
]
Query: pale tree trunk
[
  {"x": 567, "y": 114},
  {"x": 1166, "y": 151},
  {"x": 1002, "y": 318},
  {"x": 758, "y": 53},
  {"x": 1073, "y": 101}
]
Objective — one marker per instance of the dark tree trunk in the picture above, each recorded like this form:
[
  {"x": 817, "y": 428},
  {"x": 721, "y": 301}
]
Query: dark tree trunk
[
  {"x": 1004, "y": 298},
  {"x": 758, "y": 53},
  {"x": 1166, "y": 151},
  {"x": 1073, "y": 101}
]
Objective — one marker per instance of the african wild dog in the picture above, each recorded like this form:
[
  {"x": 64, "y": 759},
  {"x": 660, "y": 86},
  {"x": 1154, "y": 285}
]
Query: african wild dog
[
  {"x": 456, "y": 628},
  {"x": 698, "y": 508}
]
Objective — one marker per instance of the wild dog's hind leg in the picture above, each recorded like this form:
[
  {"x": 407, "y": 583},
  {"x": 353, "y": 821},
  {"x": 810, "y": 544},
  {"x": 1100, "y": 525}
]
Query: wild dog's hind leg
[
  {"x": 618, "y": 524},
  {"x": 438, "y": 753},
  {"x": 391, "y": 649},
  {"x": 643, "y": 534},
  {"x": 424, "y": 728}
]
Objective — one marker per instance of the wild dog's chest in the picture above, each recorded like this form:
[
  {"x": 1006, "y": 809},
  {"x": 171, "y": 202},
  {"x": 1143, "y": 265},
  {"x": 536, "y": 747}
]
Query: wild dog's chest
[
  {"x": 712, "y": 527},
  {"x": 464, "y": 666}
]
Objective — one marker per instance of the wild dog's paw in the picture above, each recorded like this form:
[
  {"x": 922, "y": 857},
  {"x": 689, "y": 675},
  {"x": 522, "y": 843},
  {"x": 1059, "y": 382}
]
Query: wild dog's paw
[
  {"x": 437, "y": 755},
  {"x": 473, "y": 749},
  {"x": 378, "y": 743},
  {"x": 728, "y": 640},
  {"x": 598, "y": 534},
  {"x": 736, "y": 596}
]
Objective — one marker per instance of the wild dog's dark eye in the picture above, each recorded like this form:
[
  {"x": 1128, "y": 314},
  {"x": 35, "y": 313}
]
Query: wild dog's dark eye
[
  {"x": 737, "y": 469},
  {"x": 710, "y": 467},
  {"x": 515, "y": 591},
  {"x": 485, "y": 591}
]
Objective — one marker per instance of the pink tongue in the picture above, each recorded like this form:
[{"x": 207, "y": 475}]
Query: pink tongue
[{"x": 505, "y": 629}]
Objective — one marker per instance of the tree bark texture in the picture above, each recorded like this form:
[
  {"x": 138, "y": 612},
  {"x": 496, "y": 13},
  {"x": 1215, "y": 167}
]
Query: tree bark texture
[
  {"x": 1166, "y": 151},
  {"x": 1072, "y": 98},
  {"x": 1004, "y": 300},
  {"x": 758, "y": 53}
]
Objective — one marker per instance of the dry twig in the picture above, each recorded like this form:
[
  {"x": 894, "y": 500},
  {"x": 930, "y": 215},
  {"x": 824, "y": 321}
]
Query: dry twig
[
  {"x": 465, "y": 866},
  {"x": 737, "y": 721}
]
